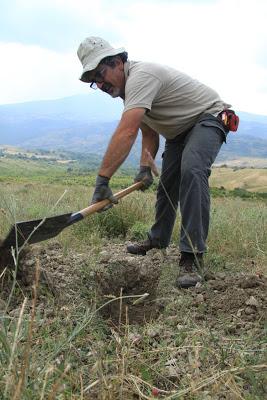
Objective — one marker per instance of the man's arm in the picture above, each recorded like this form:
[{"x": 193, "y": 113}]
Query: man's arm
[
  {"x": 150, "y": 143},
  {"x": 121, "y": 141}
]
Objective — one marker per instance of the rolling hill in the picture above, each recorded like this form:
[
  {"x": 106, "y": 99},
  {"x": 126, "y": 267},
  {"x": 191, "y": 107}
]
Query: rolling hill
[{"x": 85, "y": 123}]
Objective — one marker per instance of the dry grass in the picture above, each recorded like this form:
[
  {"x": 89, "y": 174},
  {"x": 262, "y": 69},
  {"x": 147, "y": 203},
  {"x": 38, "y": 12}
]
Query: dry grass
[
  {"x": 179, "y": 355},
  {"x": 246, "y": 178},
  {"x": 54, "y": 343}
]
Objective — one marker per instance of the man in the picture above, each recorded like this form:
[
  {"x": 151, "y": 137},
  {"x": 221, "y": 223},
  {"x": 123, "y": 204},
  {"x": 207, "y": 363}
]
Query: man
[{"x": 161, "y": 101}]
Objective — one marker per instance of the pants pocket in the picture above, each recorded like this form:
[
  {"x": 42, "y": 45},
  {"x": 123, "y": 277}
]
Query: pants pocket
[{"x": 216, "y": 125}]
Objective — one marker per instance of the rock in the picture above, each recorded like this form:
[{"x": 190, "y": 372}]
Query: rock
[
  {"x": 160, "y": 304},
  {"x": 199, "y": 299},
  {"x": 239, "y": 312},
  {"x": 181, "y": 351},
  {"x": 30, "y": 263},
  {"x": 221, "y": 276},
  {"x": 131, "y": 261},
  {"x": 208, "y": 275},
  {"x": 168, "y": 336},
  {"x": 135, "y": 338},
  {"x": 153, "y": 332},
  {"x": 252, "y": 302},
  {"x": 172, "y": 372},
  {"x": 218, "y": 285},
  {"x": 104, "y": 256},
  {"x": 230, "y": 329},
  {"x": 249, "y": 310},
  {"x": 172, "y": 319},
  {"x": 251, "y": 317},
  {"x": 249, "y": 282},
  {"x": 172, "y": 361},
  {"x": 157, "y": 254}
]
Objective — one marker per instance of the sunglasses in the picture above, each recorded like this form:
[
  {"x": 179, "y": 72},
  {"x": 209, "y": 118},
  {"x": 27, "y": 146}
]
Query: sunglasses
[{"x": 98, "y": 78}]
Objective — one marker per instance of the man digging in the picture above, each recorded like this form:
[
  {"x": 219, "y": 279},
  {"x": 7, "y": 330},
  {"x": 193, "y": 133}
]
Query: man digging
[{"x": 192, "y": 118}]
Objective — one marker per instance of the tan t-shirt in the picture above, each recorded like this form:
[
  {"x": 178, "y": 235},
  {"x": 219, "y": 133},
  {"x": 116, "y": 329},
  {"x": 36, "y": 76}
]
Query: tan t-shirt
[{"x": 174, "y": 101}]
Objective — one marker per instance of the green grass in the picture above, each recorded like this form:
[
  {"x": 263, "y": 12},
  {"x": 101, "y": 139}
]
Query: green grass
[
  {"x": 28, "y": 168},
  {"x": 238, "y": 226},
  {"x": 78, "y": 172}
]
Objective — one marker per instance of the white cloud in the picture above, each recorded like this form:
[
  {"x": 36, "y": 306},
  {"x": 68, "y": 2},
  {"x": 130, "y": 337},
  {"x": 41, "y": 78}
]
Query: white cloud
[
  {"x": 220, "y": 42},
  {"x": 32, "y": 73},
  {"x": 216, "y": 42}
]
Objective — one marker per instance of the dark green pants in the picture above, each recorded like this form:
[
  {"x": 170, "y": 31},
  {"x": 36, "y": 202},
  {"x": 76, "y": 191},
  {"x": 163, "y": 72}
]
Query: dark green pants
[{"x": 186, "y": 168}]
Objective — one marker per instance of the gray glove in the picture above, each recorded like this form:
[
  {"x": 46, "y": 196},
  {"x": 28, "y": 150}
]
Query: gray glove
[
  {"x": 145, "y": 176},
  {"x": 103, "y": 191}
]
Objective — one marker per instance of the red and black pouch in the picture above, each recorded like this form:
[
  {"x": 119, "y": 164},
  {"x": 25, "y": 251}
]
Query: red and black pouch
[{"x": 229, "y": 119}]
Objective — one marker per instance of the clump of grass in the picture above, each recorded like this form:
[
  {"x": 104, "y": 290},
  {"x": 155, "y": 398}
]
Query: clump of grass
[
  {"x": 238, "y": 232},
  {"x": 117, "y": 221},
  {"x": 138, "y": 231}
]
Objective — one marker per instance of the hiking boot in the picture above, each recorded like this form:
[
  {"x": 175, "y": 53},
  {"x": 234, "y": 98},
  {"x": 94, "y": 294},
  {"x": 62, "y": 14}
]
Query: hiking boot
[
  {"x": 142, "y": 247},
  {"x": 189, "y": 265}
]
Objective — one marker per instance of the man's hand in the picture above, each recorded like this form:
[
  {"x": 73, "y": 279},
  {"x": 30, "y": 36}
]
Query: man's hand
[
  {"x": 145, "y": 176},
  {"x": 102, "y": 192}
]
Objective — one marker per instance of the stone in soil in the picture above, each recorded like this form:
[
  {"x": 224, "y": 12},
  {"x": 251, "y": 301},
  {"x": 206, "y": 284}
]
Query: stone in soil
[{"x": 237, "y": 298}]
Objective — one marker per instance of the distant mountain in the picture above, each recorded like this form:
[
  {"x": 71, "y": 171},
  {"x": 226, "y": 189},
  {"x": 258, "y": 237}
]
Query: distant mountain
[
  {"x": 85, "y": 124},
  {"x": 253, "y": 125},
  {"x": 242, "y": 145},
  {"x": 25, "y": 122},
  {"x": 245, "y": 116}
]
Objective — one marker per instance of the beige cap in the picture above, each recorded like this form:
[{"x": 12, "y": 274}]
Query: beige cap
[{"x": 91, "y": 51}]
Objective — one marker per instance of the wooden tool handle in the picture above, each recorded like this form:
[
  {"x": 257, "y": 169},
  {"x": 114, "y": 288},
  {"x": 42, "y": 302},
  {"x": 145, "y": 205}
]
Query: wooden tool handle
[{"x": 101, "y": 204}]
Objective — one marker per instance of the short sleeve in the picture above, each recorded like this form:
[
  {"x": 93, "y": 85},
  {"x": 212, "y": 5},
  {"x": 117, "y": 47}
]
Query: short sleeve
[{"x": 141, "y": 90}]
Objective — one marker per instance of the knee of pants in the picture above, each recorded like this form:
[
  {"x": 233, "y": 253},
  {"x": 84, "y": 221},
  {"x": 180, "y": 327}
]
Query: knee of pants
[{"x": 192, "y": 171}]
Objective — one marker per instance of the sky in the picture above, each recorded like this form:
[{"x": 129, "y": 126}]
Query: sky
[{"x": 222, "y": 43}]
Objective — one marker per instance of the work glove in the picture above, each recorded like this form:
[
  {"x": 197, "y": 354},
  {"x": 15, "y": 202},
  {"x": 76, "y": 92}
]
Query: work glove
[
  {"x": 145, "y": 176},
  {"x": 103, "y": 191}
]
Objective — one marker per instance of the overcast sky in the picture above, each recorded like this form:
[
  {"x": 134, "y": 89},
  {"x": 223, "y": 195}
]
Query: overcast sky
[{"x": 222, "y": 43}]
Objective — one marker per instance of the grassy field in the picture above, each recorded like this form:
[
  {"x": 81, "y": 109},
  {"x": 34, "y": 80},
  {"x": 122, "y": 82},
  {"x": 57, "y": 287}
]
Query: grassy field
[
  {"x": 21, "y": 169},
  {"x": 71, "y": 172},
  {"x": 251, "y": 179},
  {"x": 245, "y": 162},
  {"x": 207, "y": 343}
]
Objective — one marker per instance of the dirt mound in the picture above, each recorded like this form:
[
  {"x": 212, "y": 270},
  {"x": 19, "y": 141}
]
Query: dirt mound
[
  {"x": 238, "y": 299},
  {"x": 119, "y": 274},
  {"x": 60, "y": 274},
  {"x": 67, "y": 276}
]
